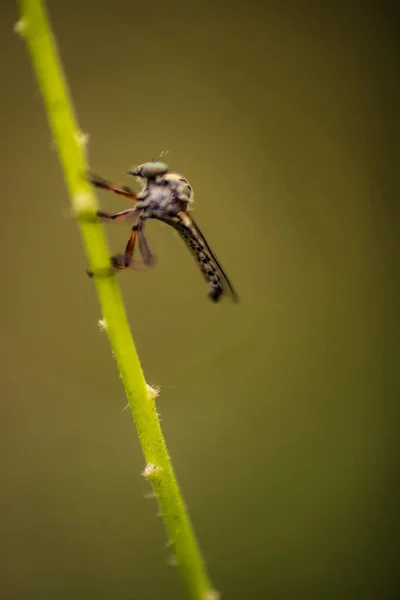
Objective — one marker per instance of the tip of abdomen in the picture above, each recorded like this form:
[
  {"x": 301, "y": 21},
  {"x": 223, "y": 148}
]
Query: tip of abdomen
[{"x": 215, "y": 293}]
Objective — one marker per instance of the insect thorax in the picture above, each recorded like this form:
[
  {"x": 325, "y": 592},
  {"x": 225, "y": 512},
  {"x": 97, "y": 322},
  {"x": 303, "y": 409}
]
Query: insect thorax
[{"x": 166, "y": 195}]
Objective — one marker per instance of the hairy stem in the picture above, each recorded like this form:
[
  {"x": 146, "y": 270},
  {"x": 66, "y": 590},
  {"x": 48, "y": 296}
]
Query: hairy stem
[{"x": 35, "y": 28}]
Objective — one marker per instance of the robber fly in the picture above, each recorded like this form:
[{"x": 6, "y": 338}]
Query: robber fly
[{"x": 165, "y": 196}]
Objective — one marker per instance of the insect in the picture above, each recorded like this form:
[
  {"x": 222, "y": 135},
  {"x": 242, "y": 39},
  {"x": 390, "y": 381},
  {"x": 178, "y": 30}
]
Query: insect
[{"x": 165, "y": 196}]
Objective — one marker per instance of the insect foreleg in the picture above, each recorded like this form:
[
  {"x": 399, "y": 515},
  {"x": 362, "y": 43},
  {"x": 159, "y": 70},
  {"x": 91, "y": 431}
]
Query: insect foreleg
[{"x": 104, "y": 184}]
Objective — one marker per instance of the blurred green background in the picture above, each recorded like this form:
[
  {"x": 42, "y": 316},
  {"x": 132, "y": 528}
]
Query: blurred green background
[{"x": 278, "y": 412}]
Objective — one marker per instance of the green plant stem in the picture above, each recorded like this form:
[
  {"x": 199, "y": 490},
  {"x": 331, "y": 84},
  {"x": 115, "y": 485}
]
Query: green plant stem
[{"x": 35, "y": 28}]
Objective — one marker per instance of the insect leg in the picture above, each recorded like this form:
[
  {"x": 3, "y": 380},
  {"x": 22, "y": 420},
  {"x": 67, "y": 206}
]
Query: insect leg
[
  {"x": 123, "y": 261},
  {"x": 119, "y": 215},
  {"x": 120, "y": 261},
  {"x": 103, "y": 184}
]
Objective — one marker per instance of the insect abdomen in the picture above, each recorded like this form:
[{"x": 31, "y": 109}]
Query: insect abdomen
[{"x": 203, "y": 258}]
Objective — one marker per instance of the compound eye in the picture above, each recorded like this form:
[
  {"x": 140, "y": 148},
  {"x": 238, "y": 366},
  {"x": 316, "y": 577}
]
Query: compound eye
[
  {"x": 149, "y": 170},
  {"x": 154, "y": 169}
]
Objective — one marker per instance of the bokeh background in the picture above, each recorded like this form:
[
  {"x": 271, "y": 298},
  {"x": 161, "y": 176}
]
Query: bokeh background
[{"x": 279, "y": 412}]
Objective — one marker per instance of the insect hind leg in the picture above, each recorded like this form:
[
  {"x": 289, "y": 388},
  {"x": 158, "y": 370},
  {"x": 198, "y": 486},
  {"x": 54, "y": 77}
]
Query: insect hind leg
[{"x": 125, "y": 260}]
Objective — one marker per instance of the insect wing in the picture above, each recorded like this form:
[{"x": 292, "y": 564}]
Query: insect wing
[
  {"x": 148, "y": 257},
  {"x": 199, "y": 234}
]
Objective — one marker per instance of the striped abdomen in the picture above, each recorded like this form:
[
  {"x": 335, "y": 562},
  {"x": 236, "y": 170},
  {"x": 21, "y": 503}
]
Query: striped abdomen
[{"x": 193, "y": 239}]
